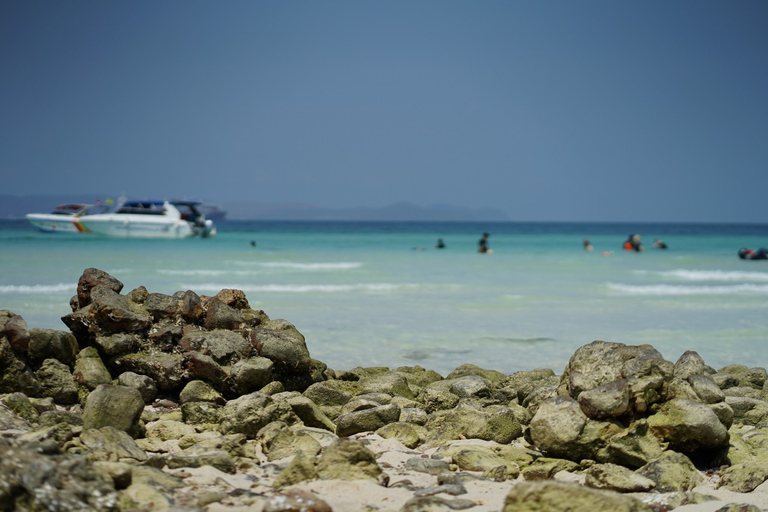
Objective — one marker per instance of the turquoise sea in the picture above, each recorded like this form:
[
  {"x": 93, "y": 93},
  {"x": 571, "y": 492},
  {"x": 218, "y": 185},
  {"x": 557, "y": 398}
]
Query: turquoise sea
[{"x": 380, "y": 294}]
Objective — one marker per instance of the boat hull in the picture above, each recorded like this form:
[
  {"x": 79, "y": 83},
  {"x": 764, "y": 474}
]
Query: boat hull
[
  {"x": 136, "y": 226},
  {"x": 54, "y": 223}
]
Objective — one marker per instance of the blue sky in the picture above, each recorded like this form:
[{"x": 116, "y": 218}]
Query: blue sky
[{"x": 546, "y": 110}]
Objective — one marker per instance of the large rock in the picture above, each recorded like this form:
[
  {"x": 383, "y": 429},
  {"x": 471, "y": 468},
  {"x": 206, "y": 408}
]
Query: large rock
[
  {"x": 113, "y": 406},
  {"x": 15, "y": 375},
  {"x": 51, "y": 344},
  {"x": 14, "y": 329},
  {"x": 90, "y": 370},
  {"x": 250, "y": 413},
  {"x": 113, "y": 313},
  {"x": 367, "y": 419},
  {"x": 225, "y": 347},
  {"x": 548, "y": 496},
  {"x": 91, "y": 278},
  {"x": 32, "y": 480},
  {"x": 289, "y": 354},
  {"x": 601, "y": 362},
  {"x": 57, "y": 382},
  {"x": 469, "y": 420},
  {"x": 672, "y": 472},
  {"x": 557, "y": 424},
  {"x": 168, "y": 371},
  {"x": 348, "y": 459},
  {"x": 688, "y": 426}
]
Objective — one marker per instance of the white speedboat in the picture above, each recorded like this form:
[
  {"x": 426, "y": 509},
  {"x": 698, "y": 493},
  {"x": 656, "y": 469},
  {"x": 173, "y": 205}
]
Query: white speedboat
[
  {"x": 151, "y": 219},
  {"x": 63, "y": 218}
]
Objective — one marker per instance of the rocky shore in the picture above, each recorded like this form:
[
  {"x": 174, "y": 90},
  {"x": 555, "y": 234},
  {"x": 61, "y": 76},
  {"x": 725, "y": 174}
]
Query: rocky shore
[{"x": 193, "y": 403}]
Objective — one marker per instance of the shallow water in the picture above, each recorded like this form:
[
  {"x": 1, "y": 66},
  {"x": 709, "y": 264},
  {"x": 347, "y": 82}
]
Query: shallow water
[{"x": 380, "y": 294}]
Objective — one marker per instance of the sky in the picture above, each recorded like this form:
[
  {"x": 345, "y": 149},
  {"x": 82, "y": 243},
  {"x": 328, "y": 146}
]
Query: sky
[{"x": 548, "y": 110}]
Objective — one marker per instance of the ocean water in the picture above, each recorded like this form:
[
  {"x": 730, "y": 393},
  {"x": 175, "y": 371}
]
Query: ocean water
[{"x": 381, "y": 294}]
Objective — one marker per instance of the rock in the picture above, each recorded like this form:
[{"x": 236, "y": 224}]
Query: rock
[
  {"x": 467, "y": 369},
  {"x": 116, "y": 344},
  {"x": 300, "y": 469},
  {"x": 57, "y": 382},
  {"x": 289, "y": 354},
  {"x": 427, "y": 465},
  {"x": 521, "y": 384},
  {"x": 51, "y": 344},
  {"x": 14, "y": 329},
  {"x": 413, "y": 415},
  {"x": 557, "y": 424},
  {"x": 145, "y": 385},
  {"x": 280, "y": 441},
  {"x": 19, "y": 404},
  {"x": 468, "y": 420},
  {"x": 200, "y": 455},
  {"x": 688, "y": 426},
  {"x": 751, "y": 377},
  {"x": 367, "y": 420},
  {"x": 161, "y": 306},
  {"x": 545, "y": 468},
  {"x": 436, "y": 504},
  {"x": 38, "y": 481},
  {"x": 481, "y": 458},
  {"x": 309, "y": 413},
  {"x": 225, "y": 347},
  {"x": 635, "y": 446},
  {"x": 250, "y": 413},
  {"x": 206, "y": 368},
  {"x": 111, "y": 444},
  {"x": 471, "y": 386},
  {"x": 744, "y": 477},
  {"x": 15, "y": 375},
  {"x": 219, "y": 315},
  {"x": 608, "y": 400},
  {"x": 554, "y": 496},
  {"x": 113, "y": 406},
  {"x": 407, "y": 434},
  {"x": 689, "y": 364},
  {"x": 748, "y": 411},
  {"x": 391, "y": 384},
  {"x": 438, "y": 397},
  {"x": 617, "y": 478},
  {"x": 251, "y": 374},
  {"x": 706, "y": 389},
  {"x": 114, "y": 313},
  {"x": 296, "y": 500},
  {"x": 90, "y": 371},
  {"x": 348, "y": 459},
  {"x": 199, "y": 413},
  {"x": 329, "y": 396},
  {"x": 601, "y": 362},
  {"x": 91, "y": 278},
  {"x": 672, "y": 472},
  {"x": 165, "y": 430},
  {"x": 168, "y": 371},
  {"x": 199, "y": 391}
]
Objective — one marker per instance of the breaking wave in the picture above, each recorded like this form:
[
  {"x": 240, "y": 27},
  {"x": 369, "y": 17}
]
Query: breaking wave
[
  {"x": 672, "y": 289},
  {"x": 710, "y": 275},
  {"x": 37, "y": 288},
  {"x": 306, "y": 288}
]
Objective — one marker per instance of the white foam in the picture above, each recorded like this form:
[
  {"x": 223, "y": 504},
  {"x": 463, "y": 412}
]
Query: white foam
[
  {"x": 342, "y": 265},
  {"x": 37, "y": 288},
  {"x": 714, "y": 275},
  {"x": 203, "y": 272},
  {"x": 672, "y": 289},
  {"x": 305, "y": 288}
]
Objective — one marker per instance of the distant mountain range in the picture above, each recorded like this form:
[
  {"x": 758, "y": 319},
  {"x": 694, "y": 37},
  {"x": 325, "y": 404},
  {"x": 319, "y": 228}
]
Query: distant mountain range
[{"x": 15, "y": 207}]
